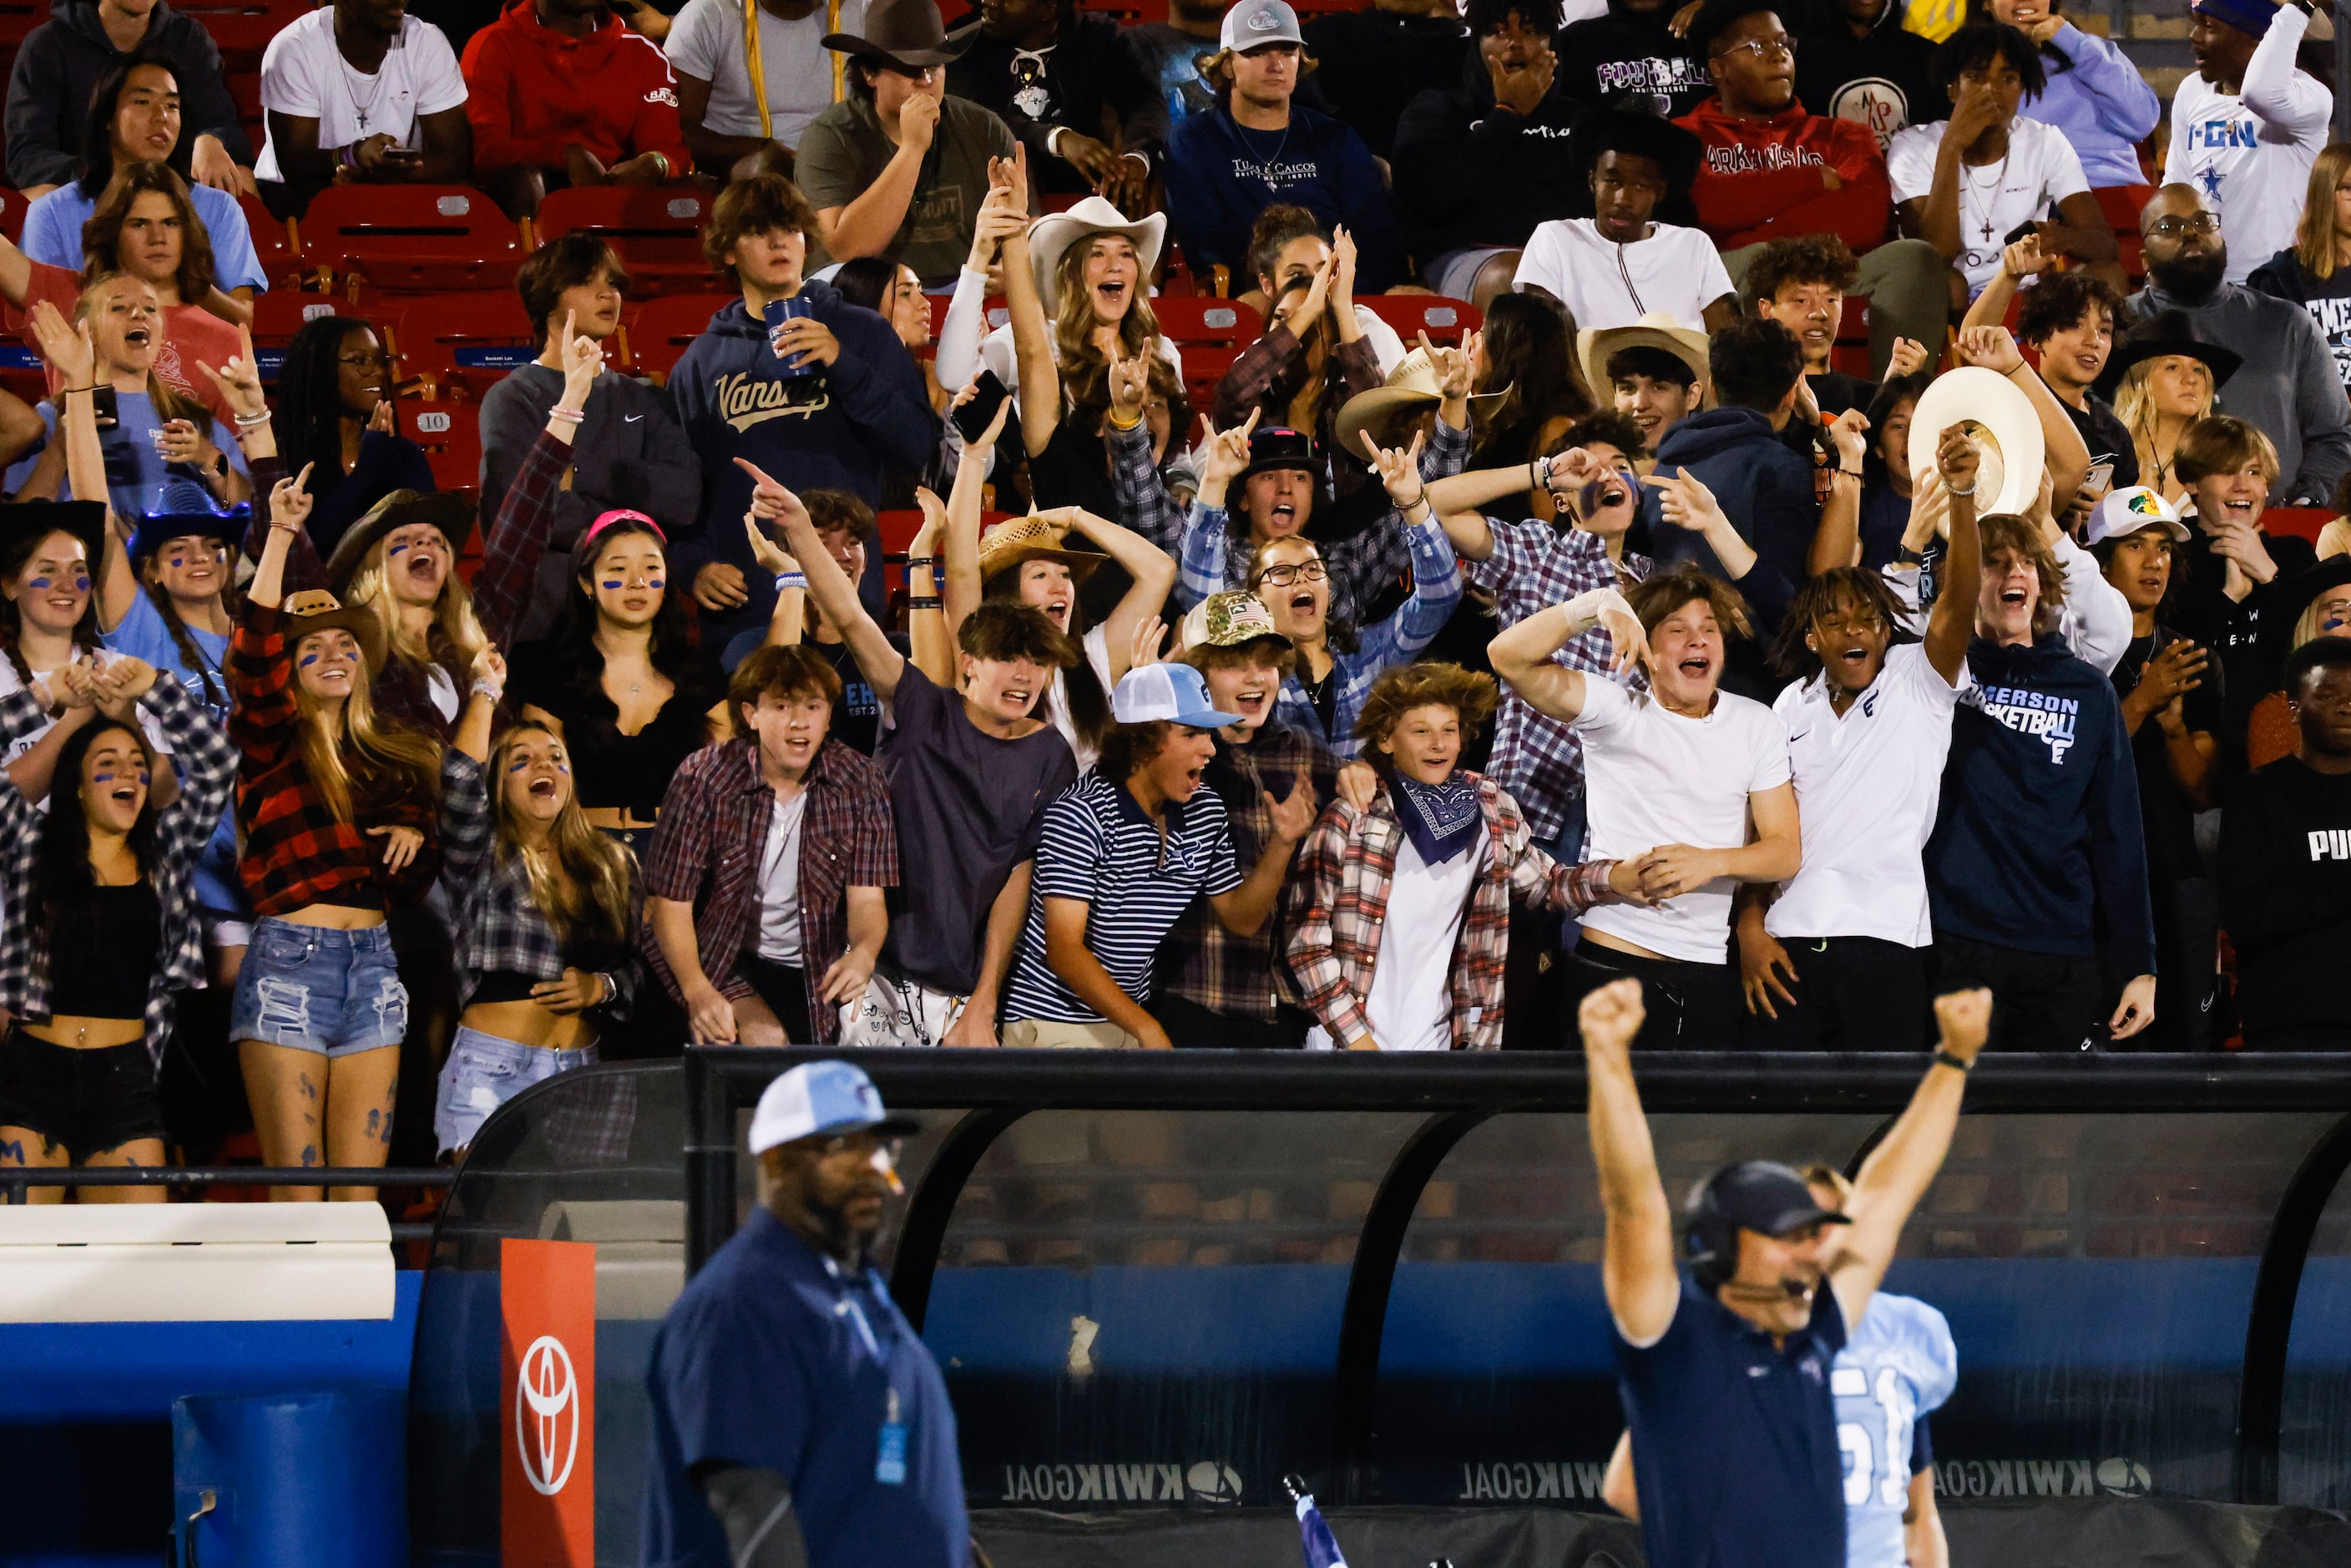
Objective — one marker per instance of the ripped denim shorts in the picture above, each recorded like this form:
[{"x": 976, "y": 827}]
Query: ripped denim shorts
[{"x": 310, "y": 988}]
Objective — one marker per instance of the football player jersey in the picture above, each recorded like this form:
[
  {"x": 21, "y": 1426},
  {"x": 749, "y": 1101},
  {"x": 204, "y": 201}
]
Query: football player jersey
[{"x": 1898, "y": 1364}]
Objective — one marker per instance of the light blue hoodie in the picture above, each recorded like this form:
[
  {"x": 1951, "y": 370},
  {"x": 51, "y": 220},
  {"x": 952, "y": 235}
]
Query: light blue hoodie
[{"x": 2103, "y": 106}]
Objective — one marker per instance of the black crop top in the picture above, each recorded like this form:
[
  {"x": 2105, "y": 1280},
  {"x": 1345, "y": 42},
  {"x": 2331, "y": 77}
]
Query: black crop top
[
  {"x": 609, "y": 769},
  {"x": 103, "y": 973}
]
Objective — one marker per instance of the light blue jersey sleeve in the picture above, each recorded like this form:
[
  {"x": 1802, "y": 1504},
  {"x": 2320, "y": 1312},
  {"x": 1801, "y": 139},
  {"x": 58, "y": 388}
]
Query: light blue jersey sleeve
[{"x": 1899, "y": 1364}]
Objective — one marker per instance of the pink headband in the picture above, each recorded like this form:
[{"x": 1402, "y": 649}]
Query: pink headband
[{"x": 622, "y": 515}]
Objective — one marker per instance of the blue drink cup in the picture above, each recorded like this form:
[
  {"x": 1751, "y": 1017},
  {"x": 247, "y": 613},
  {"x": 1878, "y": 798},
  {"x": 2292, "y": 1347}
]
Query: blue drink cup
[{"x": 779, "y": 312}]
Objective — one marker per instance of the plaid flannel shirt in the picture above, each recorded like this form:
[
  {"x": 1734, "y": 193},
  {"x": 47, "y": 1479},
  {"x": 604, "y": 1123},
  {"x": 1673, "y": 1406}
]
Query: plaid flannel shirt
[
  {"x": 296, "y": 850},
  {"x": 1436, "y": 590},
  {"x": 1338, "y": 906},
  {"x": 706, "y": 852},
  {"x": 208, "y": 769},
  {"x": 1209, "y": 560},
  {"x": 1202, "y": 961},
  {"x": 1535, "y": 566},
  {"x": 517, "y": 538},
  {"x": 500, "y": 925},
  {"x": 1258, "y": 378}
]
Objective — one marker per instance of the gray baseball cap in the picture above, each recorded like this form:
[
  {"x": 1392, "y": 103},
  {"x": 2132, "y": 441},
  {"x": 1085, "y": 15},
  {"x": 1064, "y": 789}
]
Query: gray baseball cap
[{"x": 1255, "y": 23}]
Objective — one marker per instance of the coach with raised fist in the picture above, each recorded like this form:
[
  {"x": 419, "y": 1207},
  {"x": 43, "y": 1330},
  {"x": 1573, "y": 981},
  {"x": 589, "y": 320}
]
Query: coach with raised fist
[{"x": 1724, "y": 1371}]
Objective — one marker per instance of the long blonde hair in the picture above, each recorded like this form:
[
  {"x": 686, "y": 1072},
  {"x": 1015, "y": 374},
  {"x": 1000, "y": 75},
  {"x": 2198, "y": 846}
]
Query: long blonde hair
[
  {"x": 2134, "y": 406},
  {"x": 367, "y": 748},
  {"x": 456, "y": 636},
  {"x": 1085, "y": 374},
  {"x": 2314, "y": 242},
  {"x": 590, "y": 896}
]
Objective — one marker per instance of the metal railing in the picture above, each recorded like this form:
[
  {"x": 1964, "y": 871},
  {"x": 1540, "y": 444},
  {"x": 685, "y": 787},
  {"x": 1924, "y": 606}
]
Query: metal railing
[
  {"x": 993, "y": 1090},
  {"x": 16, "y": 1182}
]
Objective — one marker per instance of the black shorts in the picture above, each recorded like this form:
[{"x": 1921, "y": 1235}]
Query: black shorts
[
  {"x": 88, "y": 1102},
  {"x": 784, "y": 987}
]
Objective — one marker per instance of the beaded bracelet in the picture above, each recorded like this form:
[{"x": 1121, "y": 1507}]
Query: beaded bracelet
[
  {"x": 574, "y": 415},
  {"x": 252, "y": 422}
]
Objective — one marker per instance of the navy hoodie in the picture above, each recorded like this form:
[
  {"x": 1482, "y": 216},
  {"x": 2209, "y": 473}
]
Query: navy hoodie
[
  {"x": 2037, "y": 843},
  {"x": 1763, "y": 487},
  {"x": 834, "y": 431},
  {"x": 1221, "y": 177}
]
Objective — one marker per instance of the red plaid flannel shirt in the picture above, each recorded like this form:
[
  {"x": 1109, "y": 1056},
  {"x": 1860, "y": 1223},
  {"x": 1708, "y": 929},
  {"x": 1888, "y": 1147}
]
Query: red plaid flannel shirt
[
  {"x": 1339, "y": 893},
  {"x": 296, "y": 850},
  {"x": 517, "y": 538},
  {"x": 705, "y": 851}
]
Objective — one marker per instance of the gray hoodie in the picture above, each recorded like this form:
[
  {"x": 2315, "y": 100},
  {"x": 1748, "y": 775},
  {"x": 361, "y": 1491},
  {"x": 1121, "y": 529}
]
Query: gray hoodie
[{"x": 62, "y": 60}]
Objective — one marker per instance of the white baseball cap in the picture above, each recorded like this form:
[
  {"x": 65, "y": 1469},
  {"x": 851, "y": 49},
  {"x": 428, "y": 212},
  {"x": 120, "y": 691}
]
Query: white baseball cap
[
  {"x": 2129, "y": 511},
  {"x": 821, "y": 1099},
  {"x": 1177, "y": 692},
  {"x": 1255, "y": 23}
]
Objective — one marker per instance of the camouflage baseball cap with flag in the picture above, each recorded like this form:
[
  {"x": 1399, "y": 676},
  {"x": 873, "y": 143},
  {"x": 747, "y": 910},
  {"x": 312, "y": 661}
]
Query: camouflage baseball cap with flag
[{"x": 1226, "y": 620}]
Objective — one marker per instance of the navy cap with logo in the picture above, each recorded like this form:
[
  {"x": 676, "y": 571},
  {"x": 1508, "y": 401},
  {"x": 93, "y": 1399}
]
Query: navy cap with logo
[{"x": 1762, "y": 1196}]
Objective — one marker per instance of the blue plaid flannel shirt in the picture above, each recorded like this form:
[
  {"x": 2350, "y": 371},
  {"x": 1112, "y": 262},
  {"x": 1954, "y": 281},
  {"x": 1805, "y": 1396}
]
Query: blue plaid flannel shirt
[{"x": 1436, "y": 590}]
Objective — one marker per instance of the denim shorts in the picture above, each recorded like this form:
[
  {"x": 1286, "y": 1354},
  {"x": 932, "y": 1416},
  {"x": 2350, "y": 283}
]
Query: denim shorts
[
  {"x": 483, "y": 1072},
  {"x": 310, "y": 988}
]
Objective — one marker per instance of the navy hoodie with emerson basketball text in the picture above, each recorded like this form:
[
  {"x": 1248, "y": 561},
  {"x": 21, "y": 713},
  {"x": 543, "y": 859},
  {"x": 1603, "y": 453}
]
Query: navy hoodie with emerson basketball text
[{"x": 2037, "y": 843}]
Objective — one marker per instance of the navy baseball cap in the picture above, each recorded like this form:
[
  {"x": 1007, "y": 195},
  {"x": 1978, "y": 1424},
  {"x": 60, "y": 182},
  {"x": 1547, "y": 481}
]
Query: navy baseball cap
[{"x": 1766, "y": 1197}]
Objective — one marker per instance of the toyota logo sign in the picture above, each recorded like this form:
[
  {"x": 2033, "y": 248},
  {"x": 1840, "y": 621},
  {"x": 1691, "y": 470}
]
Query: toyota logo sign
[{"x": 547, "y": 1415}]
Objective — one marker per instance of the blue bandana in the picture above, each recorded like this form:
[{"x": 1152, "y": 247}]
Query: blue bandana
[{"x": 1443, "y": 818}]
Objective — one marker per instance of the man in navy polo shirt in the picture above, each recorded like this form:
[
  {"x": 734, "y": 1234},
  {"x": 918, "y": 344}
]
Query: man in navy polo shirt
[
  {"x": 799, "y": 1422},
  {"x": 1725, "y": 1372}
]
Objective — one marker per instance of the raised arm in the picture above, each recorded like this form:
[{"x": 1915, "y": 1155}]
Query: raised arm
[
  {"x": 2017, "y": 263},
  {"x": 1838, "y": 541},
  {"x": 1636, "y": 1259},
  {"x": 930, "y": 641},
  {"x": 1521, "y": 655},
  {"x": 1900, "y": 1170},
  {"x": 1952, "y": 622},
  {"x": 835, "y": 595},
  {"x": 959, "y": 559},
  {"x": 518, "y": 536},
  {"x": 1152, "y": 572},
  {"x": 2068, "y": 455},
  {"x": 68, "y": 349}
]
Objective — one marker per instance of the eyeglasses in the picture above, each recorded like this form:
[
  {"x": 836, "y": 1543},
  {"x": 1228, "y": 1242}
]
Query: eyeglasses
[
  {"x": 1283, "y": 576},
  {"x": 364, "y": 361},
  {"x": 2201, "y": 223},
  {"x": 862, "y": 1143},
  {"x": 1779, "y": 48}
]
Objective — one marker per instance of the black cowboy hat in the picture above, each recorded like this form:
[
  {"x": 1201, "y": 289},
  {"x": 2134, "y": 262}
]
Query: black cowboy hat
[
  {"x": 905, "y": 33},
  {"x": 448, "y": 510},
  {"x": 86, "y": 520},
  {"x": 2168, "y": 332},
  {"x": 1632, "y": 129},
  {"x": 2293, "y": 597}
]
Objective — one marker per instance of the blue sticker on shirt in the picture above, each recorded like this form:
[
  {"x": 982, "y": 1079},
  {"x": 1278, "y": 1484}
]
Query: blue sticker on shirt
[{"x": 890, "y": 1467}]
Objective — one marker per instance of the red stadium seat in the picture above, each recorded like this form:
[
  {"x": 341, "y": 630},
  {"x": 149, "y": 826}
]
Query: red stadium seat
[
  {"x": 411, "y": 239},
  {"x": 463, "y": 342},
  {"x": 661, "y": 331},
  {"x": 278, "y": 314},
  {"x": 2301, "y": 522},
  {"x": 2120, "y": 206},
  {"x": 1444, "y": 320},
  {"x": 1211, "y": 332},
  {"x": 656, "y": 230},
  {"x": 275, "y": 242},
  {"x": 450, "y": 431},
  {"x": 994, "y": 309}
]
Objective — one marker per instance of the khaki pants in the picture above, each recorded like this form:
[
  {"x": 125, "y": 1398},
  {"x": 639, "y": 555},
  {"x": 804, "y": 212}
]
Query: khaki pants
[
  {"x": 1909, "y": 293},
  {"x": 1033, "y": 1034}
]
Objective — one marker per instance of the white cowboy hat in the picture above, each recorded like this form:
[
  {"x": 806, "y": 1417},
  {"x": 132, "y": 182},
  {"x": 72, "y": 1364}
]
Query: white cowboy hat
[
  {"x": 2009, "y": 480},
  {"x": 1412, "y": 384},
  {"x": 1054, "y": 233}
]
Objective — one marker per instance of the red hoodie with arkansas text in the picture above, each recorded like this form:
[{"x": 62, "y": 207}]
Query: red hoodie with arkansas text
[
  {"x": 532, "y": 93},
  {"x": 1759, "y": 180}
]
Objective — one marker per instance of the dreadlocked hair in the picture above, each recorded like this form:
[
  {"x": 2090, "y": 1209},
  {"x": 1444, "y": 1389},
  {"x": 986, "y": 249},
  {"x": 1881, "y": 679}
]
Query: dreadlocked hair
[
  {"x": 580, "y": 879},
  {"x": 367, "y": 757},
  {"x": 1839, "y": 588},
  {"x": 66, "y": 886},
  {"x": 13, "y": 559},
  {"x": 453, "y": 638}
]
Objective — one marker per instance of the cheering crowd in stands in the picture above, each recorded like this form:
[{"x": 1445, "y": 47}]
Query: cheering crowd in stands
[{"x": 1392, "y": 697}]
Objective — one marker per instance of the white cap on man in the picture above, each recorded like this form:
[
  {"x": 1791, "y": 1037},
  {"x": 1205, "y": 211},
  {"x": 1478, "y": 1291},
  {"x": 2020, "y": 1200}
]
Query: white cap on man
[
  {"x": 2132, "y": 510},
  {"x": 1255, "y": 23}
]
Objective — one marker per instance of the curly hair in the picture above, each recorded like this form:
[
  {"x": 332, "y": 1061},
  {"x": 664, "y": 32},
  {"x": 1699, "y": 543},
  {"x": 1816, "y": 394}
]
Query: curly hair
[
  {"x": 1974, "y": 47},
  {"x": 1471, "y": 694},
  {"x": 1839, "y": 588},
  {"x": 1609, "y": 428},
  {"x": 1128, "y": 748},
  {"x": 2061, "y": 300},
  {"x": 2006, "y": 534},
  {"x": 1807, "y": 258},
  {"x": 1667, "y": 591}
]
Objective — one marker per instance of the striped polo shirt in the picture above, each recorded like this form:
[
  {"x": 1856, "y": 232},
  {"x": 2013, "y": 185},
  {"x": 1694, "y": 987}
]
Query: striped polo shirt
[{"x": 1099, "y": 847}]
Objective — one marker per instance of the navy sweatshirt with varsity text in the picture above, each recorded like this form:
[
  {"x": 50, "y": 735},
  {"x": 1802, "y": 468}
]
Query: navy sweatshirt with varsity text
[
  {"x": 2037, "y": 841},
  {"x": 1221, "y": 175}
]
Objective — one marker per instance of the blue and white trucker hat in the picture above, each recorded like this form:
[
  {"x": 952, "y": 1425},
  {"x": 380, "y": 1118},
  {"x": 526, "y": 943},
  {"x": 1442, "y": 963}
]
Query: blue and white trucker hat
[{"x": 821, "y": 1099}]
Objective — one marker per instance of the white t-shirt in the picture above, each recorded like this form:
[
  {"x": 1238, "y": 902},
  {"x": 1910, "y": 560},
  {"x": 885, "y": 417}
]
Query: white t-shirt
[
  {"x": 2039, "y": 171},
  {"x": 779, "y": 883},
  {"x": 706, "y": 41},
  {"x": 1676, "y": 270},
  {"x": 11, "y": 684},
  {"x": 305, "y": 76},
  {"x": 2255, "y": 172},
  {"x": 1410, "y": 1006},
  {"x": 1655, "y": 777},
  {"x": 1096, "y": 644},
  {"x": 1867, "y": 786}
]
